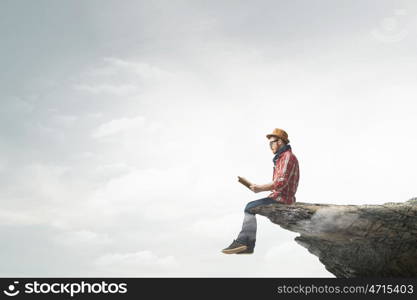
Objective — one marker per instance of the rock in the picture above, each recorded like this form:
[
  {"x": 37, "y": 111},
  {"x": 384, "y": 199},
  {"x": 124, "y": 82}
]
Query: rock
[{"x": 354, "y": 240}]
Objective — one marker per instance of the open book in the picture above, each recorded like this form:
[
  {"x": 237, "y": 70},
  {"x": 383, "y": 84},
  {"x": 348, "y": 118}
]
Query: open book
[{"x": 245, "y": 182}]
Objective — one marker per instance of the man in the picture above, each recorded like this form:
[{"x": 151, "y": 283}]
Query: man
[{"x": 283, "y": 186}]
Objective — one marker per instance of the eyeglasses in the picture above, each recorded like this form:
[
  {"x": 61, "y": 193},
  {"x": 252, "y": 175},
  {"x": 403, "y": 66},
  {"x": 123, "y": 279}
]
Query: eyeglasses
[{"x": 271, "y": 142}]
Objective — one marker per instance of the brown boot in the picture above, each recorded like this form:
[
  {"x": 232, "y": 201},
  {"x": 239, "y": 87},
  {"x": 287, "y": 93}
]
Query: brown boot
[{"x": 235, "y": 247}]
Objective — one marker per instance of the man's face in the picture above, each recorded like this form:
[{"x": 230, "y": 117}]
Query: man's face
[{"x": 275, "y": 143}]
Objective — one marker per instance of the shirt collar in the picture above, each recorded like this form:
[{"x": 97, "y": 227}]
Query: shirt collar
[{"x": 280, "y": 151}]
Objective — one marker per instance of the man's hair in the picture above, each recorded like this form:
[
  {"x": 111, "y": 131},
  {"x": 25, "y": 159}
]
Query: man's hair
[{"x": 285, "y": 142}]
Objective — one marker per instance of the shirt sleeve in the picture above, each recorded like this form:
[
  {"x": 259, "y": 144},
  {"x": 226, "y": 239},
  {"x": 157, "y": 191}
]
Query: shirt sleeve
[{"x": 283, "y": 170}]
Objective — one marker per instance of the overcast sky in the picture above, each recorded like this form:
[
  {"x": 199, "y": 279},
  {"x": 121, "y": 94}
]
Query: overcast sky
[{"x": 125, "y": 124}]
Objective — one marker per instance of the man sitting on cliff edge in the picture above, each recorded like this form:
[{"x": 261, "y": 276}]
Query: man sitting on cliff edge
[{"x": 283, "y": 186}]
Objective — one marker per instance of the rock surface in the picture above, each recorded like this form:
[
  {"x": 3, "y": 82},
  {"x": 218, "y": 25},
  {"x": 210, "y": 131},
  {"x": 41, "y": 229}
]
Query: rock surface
[{"x": 354, "y": 240}]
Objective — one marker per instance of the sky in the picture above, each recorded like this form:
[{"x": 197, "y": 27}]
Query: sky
[{"x": 124, "y": 126}]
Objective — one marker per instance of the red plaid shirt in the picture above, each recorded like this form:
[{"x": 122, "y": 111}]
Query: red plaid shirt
[{"x": 285, "y": 176}]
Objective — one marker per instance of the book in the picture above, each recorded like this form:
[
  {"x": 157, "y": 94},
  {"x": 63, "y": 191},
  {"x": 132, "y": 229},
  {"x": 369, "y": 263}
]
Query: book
[{"x": 244, "y": 181}]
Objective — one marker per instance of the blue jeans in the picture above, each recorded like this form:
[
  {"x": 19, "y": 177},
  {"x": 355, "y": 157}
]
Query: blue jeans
[{"x": 247, "y": 235}]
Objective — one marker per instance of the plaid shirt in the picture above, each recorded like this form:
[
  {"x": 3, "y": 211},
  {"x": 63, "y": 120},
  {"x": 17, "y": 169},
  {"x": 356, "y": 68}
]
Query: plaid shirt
[{"x": 285, "y": 176}]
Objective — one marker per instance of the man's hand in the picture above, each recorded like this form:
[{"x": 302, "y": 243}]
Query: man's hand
[{"x": 255, "y": 188}]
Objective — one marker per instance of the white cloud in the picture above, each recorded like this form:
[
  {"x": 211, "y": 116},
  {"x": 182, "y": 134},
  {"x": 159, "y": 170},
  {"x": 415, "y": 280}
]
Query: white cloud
[
  {"x": 52, "y": 133},
  {"x": 82, "y": 238},
  {"x": 217, "y": 227},
  {"x": 121, "y": 77},
  {"x": 84, "y": 155},
  {"x": 139, "y": 258},
  {"x": 141, "y": 263},
  {"x": 64, "y": 120},
  {"x": 18, "y": 218},
  {"x": 118, "y": 90},
  {"x": 280, "y": 252},
  {"x": 3, "y": 163},
  {"x": 119, "y": 125},
  {"x": 144, "y": 70},
  {"x": 95, "y": 115},
  {"x": 112, "y": 170},
  {"x": 43, "y": 182},
  {"x": 17, "y": 106},
  {"x": 170, "y": 209},
  {"x": 281, "y": 256},
  {"x": 135, "y": 191}
]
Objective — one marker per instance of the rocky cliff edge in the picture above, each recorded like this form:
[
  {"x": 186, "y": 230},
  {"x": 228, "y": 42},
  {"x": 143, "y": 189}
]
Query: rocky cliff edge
[{"x": 354, "y": 240}]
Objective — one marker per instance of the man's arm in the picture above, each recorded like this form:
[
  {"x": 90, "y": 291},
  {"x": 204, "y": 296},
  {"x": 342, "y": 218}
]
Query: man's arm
[
  {"x": 283, "y": 173},
  {"x": 262, "y": 187}
]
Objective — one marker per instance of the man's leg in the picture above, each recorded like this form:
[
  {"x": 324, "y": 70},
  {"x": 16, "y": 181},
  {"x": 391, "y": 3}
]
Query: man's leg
[
  {"x": 246, "y": 239},
  {"x": 247, "y": 235}
]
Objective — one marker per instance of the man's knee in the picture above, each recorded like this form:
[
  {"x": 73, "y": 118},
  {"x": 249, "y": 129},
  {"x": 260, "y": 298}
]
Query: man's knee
[
  {"x": 249, "y": 206},
  {"x": 259, "y": 202}
]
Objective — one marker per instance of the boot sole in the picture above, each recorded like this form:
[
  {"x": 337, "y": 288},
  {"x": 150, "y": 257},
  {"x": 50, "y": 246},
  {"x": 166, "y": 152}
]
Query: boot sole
[{"x": 234, "y": 250}]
